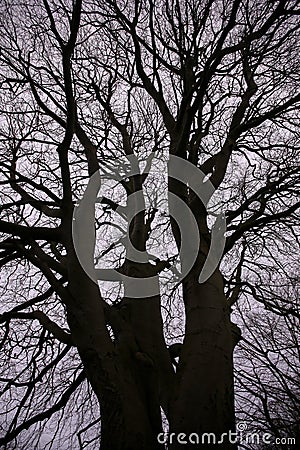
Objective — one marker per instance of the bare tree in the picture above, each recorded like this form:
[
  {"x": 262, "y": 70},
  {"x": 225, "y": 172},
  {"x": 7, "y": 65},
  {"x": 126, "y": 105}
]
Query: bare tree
[{"x": 110, "y": 90}]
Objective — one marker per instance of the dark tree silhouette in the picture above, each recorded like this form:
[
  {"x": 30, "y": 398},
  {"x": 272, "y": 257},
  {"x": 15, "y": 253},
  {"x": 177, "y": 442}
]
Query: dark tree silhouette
[{"x": 119, "y": 87}]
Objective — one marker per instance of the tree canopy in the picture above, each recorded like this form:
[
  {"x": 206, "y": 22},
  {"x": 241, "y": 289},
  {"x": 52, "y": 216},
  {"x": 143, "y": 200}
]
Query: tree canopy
[{"x": 163, "y": 121}]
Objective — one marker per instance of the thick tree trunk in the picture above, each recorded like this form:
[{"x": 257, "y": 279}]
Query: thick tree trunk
[
  {"x": 124, "y": 385},
  {"x": 203, "y": 399},
  {"x": 146, "y": 360},
  {"x": 131, "y": 374}
]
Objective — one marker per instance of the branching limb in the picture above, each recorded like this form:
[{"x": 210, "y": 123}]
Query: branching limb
[{"x": 44, "y": 320}]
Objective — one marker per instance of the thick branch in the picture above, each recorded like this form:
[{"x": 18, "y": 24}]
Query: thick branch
[{"x": 27, "y": 232}]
